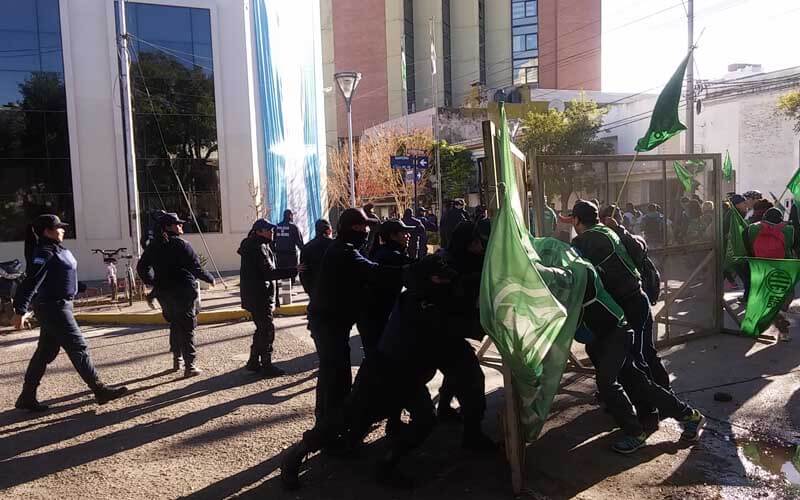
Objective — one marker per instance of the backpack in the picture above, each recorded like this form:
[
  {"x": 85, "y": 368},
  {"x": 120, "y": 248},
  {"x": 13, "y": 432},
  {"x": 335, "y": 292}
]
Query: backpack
[
  {"x": 651, "y": 278},
  {"x": 770, "y": 242}
]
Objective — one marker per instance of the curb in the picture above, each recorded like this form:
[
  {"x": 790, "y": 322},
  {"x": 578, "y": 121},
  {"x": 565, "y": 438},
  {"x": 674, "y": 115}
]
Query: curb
[{"x": 204, "y": 318}]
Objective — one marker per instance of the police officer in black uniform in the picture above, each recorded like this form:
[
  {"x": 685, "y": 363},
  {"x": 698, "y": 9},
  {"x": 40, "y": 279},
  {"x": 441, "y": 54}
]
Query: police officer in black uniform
[
  {"x": 392, "y": 379},
  {"x": 379, "y": 298},
  {"x": 463, "y": 376},
  {"x": 287, "y": 242},
  {"x": 171, "y": 266},
  {"x": 51, "y": 283},
  {"x": 312, "y": 252},
  {"x": 257, "y": 288},
  {"x": 334, "y": 307}
]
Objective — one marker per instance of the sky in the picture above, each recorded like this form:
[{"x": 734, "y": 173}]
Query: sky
[{"x": 644, "y": 40}]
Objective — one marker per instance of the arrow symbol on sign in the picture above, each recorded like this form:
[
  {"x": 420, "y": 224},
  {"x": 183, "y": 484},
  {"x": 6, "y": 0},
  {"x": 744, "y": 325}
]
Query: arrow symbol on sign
[{"x": 423, "y": 162}]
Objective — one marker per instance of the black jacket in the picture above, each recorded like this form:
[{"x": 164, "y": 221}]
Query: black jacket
[
  {"x": 615, "y": 274},
  {"x": 52, "y": 272},
  {"x": 171, "y": 265},
  {"x": 287, "y": 238},
  {"x": 258, "y": 273},
  {"x": 379, "y": 297},
  {"x": 340, "y": 284},
  {"x": 311, "y": 257}
]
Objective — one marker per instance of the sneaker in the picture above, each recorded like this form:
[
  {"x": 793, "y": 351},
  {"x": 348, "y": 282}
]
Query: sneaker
[
  {"x": 290, "y": 467},
  {"x": 192, "y": 371},
  {"x": 784, "y": 337},
  {"x": 692, "y": 426},
  {"x": 176, "y": 363},
  {"x": 30, "y": 404},
  {"x": 629, "y": 444},
  {"x": 252, "y": 365},
  {"x": 104, "y": 394}
]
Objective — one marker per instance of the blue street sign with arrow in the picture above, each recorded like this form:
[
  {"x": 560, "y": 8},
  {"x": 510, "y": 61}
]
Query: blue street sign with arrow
[{"x": 401, "y": 162}]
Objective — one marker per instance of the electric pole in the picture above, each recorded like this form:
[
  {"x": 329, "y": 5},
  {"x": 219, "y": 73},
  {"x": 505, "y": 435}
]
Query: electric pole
[{"x": 690, "y": 81}]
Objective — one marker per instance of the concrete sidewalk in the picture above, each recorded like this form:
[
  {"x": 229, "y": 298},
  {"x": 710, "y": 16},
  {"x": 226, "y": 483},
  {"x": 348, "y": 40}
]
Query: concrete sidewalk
[{"x": 219, "y": 305}]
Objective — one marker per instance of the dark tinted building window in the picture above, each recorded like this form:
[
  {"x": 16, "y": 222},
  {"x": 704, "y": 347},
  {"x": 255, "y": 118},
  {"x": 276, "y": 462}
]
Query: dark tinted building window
[
  {"x": 446, "y": 56},
  {"x": 35, "y": 170},
  {"x": 175, "y": 125},
  {"x": 408, "y": 33}
]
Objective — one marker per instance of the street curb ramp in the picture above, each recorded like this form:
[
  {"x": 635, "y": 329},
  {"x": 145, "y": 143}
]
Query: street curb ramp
[{"x": 204, "y": 318}]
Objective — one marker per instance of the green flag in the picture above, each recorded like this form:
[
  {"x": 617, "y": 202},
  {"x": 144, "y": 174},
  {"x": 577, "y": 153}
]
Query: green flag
[
  {"x": 794, "y": 187},
  {"x": 734, "y": 244},
  {"x": 684, "y": 177},
  {"x": 727, "y": 167},
  {"x": 771, "y": 281},
  {"x": 531, "y": 328},
  {"x": 665, "y": 122}
]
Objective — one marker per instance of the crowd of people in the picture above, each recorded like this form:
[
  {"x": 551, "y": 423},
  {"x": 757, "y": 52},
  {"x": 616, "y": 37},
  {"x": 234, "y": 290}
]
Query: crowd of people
[{"x": 414, "y": 312}]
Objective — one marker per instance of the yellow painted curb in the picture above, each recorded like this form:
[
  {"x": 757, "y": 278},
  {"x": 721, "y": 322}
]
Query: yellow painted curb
[{"x": 204, "y": 318}]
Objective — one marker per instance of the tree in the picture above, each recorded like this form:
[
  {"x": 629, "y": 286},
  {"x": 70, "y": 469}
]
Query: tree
[
  {"x": 789, "y": 106},
  {"x": 374, "y": 178},
  {"x": 458, "y": 170},
  {"x": 571, "y": 132}
]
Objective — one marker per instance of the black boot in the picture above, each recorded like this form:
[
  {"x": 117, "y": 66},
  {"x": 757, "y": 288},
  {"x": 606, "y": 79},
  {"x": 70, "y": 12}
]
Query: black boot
[
  {"x": 103, "y": 394},
  {"x": 290, "y": 466},
  {"x": 252, "y": 362},
  {"x": 176, "y": 361},
  {"x": 27, "y": 401},
  {"x": 268, "y": 369}
]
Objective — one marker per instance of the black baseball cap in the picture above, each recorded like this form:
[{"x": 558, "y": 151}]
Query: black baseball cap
[
  {"x": 48, "y": 221},
  {"x": 585, "y": 211},
  {"x": 170, "y": 218},
  {"x": 263, "y": 225},
  {"x": 322, "y": 225},
  {"x": 393, "y": 226},
  {"x": 352, "y": 217}
]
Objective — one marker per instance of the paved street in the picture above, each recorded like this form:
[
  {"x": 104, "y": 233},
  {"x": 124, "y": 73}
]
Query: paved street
[{"x": 218, "y": 435}]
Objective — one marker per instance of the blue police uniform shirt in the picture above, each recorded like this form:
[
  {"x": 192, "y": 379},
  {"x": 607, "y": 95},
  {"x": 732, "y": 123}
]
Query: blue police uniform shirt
[{"x": 52, "y": 272}]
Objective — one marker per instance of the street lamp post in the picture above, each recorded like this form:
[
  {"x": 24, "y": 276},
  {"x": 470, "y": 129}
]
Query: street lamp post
[{"x": 348, "y": 82}]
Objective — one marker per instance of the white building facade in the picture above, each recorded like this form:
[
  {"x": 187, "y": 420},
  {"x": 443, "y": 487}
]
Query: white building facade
[{"x": 227, "y": 98}]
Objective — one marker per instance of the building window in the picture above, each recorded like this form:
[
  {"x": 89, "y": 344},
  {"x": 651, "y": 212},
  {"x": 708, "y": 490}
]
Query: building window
[
  {"x": 531, "y": 42},
  {"x": 526, "y": 71},
  {"x": 517, "y": 10},
  {"x": 530, "y": 9},
  {"x": 519, "y": 43},
  {"x": 175, "y": 124},
  {"x": 525, "y": 42},
  {"x": 411, "y": 87},
  {"x": 34, "y": 138},
  {"x": 524, "y": 13}
]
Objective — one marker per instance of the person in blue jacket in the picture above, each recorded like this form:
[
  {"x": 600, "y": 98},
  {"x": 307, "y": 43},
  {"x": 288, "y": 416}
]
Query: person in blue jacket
[{"x": 50, "y": 286}]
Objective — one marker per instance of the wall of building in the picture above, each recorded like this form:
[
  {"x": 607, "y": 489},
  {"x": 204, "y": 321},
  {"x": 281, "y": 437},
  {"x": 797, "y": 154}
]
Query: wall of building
[
  {"x": 332, "y": 96},
  {"x": 465, "y": 37},
  {"x": 498, "y": 44},
  {"x": 423, "y": 11},
  {"x": 394, "y": 35},
  {"x": 569, "y": 44},
  {"x": 362, "y": 49}
]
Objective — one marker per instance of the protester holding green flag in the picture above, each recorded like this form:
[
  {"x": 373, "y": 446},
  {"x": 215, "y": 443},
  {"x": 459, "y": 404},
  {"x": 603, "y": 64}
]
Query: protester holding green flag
[
  {"x": 773, "y": 273},
  {"x": 665, "y": 123},
  {"x": 733, "y": 229}
]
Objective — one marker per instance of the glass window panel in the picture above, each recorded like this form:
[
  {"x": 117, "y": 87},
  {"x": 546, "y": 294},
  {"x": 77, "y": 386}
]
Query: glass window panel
[
  {"x": 532, "y": 75},
  {"x": 531, "y": 42},
  {"x": 19, "y": 50},
  {"x": 517, "y": 10},
  {"x": 51, "y": 55},
  {"x": 18, "y": 15},
  {"x": 519, "y": 43},
  {"x": 524, "y": 30},
  {"x": 48, "y": 20},
  {"x": 57, "y": 138},
  {"x": 176, "y": 66},
  {"x": 530, "y": 9}
]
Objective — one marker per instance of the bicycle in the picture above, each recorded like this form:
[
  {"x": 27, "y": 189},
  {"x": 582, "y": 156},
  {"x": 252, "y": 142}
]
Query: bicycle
[{"x": 110, "y": 259}]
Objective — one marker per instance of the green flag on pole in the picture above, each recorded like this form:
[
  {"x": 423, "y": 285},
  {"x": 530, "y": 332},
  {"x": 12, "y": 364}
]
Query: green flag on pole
[
  {"x": 684, "y": 177},
  {"x": 734, "y": 245},
  {"x": 665, "y": 122},
  {"x": 531, "y": 328},
  {"x": 727, "y": 167},
  {"x": 771, "y": 281},
  {"x": 794, "y": 186}
]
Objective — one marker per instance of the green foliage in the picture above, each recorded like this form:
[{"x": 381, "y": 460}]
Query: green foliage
[
  {"x": 571, "y": 132},
  {"x": 458, "y": 169},
  {"x": 789, "y": 106}
]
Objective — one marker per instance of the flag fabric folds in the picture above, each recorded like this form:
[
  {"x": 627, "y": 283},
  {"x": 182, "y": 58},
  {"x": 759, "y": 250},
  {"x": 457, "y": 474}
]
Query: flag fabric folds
[
  {"x": 664, "y": 123},
  {"x": 771, "y": 282},
  {"x": 727, "y": 167},
  {"x": 734, "y": 244},
  {"x": 685, "y": 178},
  {"x": 531, "y": 327},
  {"x": 794, "y": 186}
]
